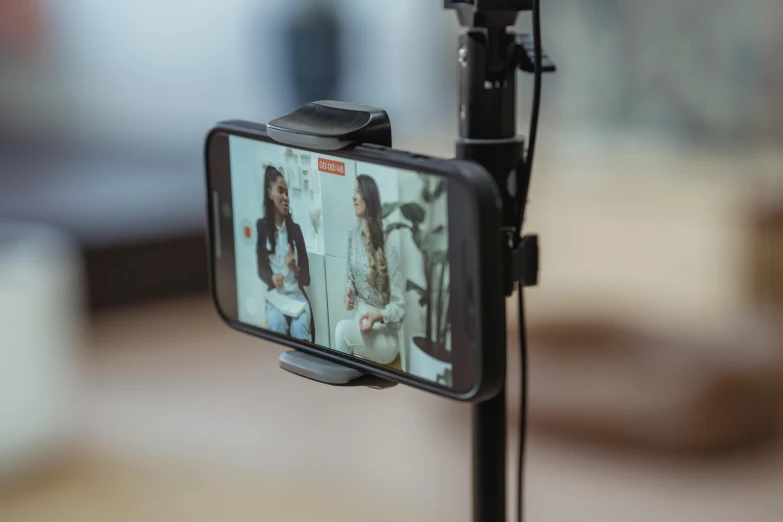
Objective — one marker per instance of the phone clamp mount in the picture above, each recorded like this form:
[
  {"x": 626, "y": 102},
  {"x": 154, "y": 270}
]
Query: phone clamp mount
[{"x": 489, "y": 55}]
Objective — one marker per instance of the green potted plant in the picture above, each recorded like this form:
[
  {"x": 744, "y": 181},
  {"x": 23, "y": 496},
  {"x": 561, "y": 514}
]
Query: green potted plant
[{"x": 430, "y": 350}]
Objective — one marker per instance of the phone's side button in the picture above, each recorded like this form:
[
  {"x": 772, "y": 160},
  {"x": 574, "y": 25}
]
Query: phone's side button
[{"x": 470, "y": 309}]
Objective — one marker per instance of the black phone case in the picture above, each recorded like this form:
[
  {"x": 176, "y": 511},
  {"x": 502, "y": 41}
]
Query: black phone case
[{"x": 491, "y": 363}]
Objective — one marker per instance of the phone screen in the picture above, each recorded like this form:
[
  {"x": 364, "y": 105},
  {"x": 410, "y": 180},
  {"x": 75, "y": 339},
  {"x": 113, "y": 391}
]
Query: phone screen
[{"x": 347, "y": 255}]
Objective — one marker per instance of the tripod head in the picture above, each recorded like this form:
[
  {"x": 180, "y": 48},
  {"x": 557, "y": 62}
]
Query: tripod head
[
  {"x": 490, "y": 54},
  {"x": 488, "y": 13}
]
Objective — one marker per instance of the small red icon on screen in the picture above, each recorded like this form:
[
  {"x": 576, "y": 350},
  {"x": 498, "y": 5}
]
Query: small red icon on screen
[
  {"x": 248, "y": 232},
  {"x": 331, "y": 167}
]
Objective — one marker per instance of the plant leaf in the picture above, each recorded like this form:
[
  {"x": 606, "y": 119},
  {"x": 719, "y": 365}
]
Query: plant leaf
[
  {"x": 415, "y": 287},
  {"x": 419, "y": 238},
  {"x": 396, "y": 226},
  {"x": 439, "y": 189},
  {"x": 426, "y": 194},
  {"x": 445, "y": 377},
  {"x": 432, "y": 240},
  {"x": 439, "y": 257},
  {"x": 413, "y": 212},
  {"x": 388, "y": 208}
]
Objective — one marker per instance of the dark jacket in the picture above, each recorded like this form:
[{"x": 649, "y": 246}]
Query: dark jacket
[{"x": 295, "y": 239}]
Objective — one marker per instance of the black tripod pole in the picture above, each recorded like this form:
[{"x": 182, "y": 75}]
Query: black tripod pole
[
  {"x": 487, "y": 124},
  {"x": 489, "y": 55},
  {"x": 489, "y": 460}
]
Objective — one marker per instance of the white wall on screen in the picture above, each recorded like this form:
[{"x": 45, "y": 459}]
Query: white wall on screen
[
  {"x": 338, "y": 213},
  {"x": 244, "y": 155},
  {"x": 335, "y": 290},
  {"x": 317, "y": 295}
]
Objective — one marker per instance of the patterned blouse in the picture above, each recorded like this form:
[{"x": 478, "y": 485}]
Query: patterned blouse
[{"x": 357, "y": 269}]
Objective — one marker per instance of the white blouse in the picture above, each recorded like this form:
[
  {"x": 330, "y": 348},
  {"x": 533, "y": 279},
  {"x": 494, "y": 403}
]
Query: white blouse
[
  {"x": 358, "y": 272},
  {"x": 277, "y": 261}
]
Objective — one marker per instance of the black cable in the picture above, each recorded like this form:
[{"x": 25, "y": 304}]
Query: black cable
[
  {"x": 522, "y": 404},
  {"x": 537, "y": 76},
  {"x": 532, "y": 136}
]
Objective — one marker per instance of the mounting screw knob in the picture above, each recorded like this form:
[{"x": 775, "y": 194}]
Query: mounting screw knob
[{"x": 462, "y": 56}]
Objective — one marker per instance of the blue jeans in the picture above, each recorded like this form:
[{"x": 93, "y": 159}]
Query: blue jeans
[{"x": 299, "y": 327}]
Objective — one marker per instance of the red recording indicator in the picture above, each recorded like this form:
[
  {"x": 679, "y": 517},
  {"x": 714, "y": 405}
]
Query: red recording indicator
[
  {"x": 248, "y": 232},
  {"x": 331, "y": 167}
]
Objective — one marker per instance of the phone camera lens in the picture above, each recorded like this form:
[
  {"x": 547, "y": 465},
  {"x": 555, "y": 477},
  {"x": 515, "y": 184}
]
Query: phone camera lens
[{"x": 226, "y": 210}]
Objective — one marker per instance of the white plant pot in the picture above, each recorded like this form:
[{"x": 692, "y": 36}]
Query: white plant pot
[{"x": 422, "y": 364}]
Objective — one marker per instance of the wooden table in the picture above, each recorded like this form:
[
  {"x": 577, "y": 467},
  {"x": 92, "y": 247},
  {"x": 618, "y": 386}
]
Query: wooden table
[{"x": 185, "y": 420}]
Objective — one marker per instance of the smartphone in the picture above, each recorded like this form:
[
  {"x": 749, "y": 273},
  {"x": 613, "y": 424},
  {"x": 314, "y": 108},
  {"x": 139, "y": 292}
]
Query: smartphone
[{"x": 384, "y": 261}]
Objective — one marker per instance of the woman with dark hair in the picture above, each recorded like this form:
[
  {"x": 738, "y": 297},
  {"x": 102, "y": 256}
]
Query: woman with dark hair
[
  {"x": 282, "y": 258},
  {"x": 373, "y": 284}
]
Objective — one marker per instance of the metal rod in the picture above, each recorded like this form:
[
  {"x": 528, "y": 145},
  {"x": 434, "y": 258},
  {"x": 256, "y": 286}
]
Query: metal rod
[
  {"x": 489, "y": 460},
  {"x": 487, "y": 127}
]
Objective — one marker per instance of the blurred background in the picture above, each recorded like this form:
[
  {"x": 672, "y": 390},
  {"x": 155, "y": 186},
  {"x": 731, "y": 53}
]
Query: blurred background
[{"x": 656, "y": 347}]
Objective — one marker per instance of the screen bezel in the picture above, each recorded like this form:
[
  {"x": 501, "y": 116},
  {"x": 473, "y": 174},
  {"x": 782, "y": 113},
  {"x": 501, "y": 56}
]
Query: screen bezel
[{"x": 464, "y": 259}]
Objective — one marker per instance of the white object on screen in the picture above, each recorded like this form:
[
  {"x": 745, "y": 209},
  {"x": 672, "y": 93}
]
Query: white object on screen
[{"x": 286, "y": 305}]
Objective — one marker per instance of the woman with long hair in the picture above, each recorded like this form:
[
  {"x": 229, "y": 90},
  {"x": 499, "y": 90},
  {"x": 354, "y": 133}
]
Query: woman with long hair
[
  {"x": 373, "y": 286},
  {"x": 282, "y": 258}
]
